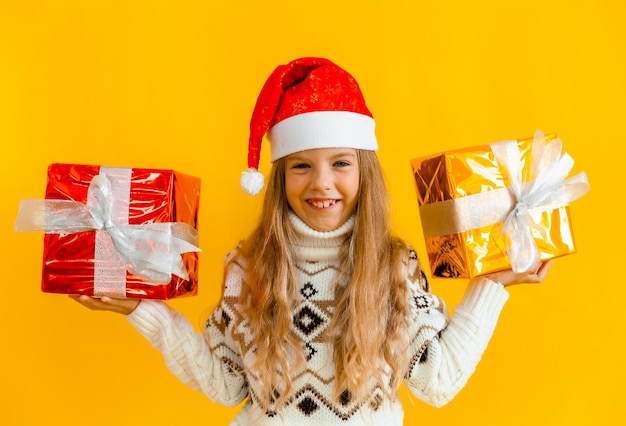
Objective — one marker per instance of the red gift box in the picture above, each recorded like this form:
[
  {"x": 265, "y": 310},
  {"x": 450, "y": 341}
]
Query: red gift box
[{"x": 140, "y": 201}]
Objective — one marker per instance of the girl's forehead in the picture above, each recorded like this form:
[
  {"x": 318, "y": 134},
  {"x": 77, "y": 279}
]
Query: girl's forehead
[{"x": 323, "y": 153}]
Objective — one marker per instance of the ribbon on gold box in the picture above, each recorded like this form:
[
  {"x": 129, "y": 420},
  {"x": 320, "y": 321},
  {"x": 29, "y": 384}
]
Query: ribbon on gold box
[{"x": 493, "y": 207}]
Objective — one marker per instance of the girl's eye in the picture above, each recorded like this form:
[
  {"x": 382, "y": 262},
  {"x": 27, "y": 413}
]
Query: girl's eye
[
  {"x": 300, "y": 166},
  {"x": 342, "y": 163}
]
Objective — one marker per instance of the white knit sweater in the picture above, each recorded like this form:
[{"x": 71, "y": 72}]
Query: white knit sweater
[{"x": 443, "y": 353}]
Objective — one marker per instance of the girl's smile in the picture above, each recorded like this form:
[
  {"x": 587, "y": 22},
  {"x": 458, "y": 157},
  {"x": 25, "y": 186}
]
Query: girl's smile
[
  {"x": 322, "y": 186},
  {"x": 322, "y": 204}
]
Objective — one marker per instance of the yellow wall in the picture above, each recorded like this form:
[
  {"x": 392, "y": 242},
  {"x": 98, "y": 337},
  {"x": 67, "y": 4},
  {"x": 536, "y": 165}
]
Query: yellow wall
[{"x": 171, "y": 84}]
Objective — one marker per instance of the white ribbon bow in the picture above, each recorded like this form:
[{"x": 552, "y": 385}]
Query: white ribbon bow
[
  {"x": 152, "y": 251},
  {"x": 546, "y": 188}
]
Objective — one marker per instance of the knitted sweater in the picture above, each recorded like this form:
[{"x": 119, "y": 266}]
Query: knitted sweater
[{"x": 443, "y": 352}]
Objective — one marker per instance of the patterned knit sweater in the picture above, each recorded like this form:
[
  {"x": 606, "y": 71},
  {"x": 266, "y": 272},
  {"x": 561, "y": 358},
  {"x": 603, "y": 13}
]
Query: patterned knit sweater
[{"x": 443, "y": 352}]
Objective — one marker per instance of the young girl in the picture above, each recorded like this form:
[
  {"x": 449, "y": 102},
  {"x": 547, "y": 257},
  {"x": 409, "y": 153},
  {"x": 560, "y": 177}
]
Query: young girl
[{"x": 324, "y": 310}]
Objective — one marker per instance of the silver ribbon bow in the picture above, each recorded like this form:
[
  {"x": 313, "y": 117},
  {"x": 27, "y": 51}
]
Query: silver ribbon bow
[
  {"x": 545, "y": 188},
  {"x": 152, "y": 251}
]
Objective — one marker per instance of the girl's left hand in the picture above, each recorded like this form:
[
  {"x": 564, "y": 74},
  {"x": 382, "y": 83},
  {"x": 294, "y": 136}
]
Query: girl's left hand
[{"x": 509, "y": 277}]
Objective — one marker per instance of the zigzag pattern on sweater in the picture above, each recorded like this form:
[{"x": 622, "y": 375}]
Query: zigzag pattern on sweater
[{"x": 312, "y": 385}]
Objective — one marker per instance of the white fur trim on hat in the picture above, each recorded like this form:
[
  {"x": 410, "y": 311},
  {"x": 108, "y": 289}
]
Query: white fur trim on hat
[{"x": 322, "y": 129}]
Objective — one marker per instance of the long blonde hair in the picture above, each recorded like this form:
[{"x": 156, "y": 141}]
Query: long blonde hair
[{"x": 371, "y": 310}]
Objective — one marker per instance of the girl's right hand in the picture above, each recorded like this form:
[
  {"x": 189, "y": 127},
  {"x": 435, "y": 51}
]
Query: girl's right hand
[{"x": 120, "y": 306}]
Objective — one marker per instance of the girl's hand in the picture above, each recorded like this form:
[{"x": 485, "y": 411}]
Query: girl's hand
[
  {"x": 509, "y": 277},
  {"x": 120, "y": 306}
]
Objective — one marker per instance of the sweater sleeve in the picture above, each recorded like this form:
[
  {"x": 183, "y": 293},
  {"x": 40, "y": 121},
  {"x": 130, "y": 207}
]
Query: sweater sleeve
[
  {"x": 189, "y": 354},
  {"x": 443, "y": 361}
]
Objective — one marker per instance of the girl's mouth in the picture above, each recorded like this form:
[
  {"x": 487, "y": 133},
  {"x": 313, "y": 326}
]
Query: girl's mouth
[{"x": 322, "y": 204}]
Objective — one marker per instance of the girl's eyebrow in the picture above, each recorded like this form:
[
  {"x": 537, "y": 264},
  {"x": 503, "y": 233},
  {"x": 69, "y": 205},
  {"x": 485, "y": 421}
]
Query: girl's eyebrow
[
  {"x": 291, "y": 160},
  {"x": 344, "y": 154}
]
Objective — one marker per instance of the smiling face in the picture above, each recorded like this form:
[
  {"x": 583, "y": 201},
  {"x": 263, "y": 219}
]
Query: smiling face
[{"x": 322, "y": 186}]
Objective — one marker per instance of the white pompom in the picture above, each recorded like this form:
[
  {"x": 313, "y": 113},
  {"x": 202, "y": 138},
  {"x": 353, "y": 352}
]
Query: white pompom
[{"x": 252, "y": 181}]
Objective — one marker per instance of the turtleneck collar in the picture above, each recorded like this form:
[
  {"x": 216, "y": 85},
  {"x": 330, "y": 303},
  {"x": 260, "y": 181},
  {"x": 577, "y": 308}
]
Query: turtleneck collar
[{"x": 312, "y": 245}]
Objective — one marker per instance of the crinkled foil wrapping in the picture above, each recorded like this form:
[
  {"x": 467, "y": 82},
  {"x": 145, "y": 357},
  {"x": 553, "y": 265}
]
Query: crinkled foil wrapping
[
  {"x": 155, "y": 196},
  {"x": 455, "y": 174}
]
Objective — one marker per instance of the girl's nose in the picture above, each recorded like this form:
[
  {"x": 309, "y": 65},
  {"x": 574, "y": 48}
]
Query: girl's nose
[{"x": 321, "y": 179}]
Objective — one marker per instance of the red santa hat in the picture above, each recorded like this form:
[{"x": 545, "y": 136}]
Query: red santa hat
[{"x": 308, "y": 103}]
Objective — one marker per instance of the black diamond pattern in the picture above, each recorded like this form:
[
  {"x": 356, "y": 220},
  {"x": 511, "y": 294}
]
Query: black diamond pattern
[
  {"x": 421, "y": 301},
  {"x": 307, "y": 320},
  {"x": 310, "y": 351},
  {"x": 308, "y": 291},
  {"x": 308, "y": 406},
  {"x": 345, "y": 397}
]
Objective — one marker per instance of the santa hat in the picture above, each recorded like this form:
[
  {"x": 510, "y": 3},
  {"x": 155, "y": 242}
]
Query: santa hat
[{"x": 308, "y": 103}]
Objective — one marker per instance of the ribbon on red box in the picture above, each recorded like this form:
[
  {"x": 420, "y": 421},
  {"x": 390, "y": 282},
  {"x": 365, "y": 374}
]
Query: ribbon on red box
[{"x": 152, "y": 251}]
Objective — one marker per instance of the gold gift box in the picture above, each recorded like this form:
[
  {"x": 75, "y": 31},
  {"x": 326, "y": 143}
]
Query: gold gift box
[{"x": 457, "y": 191}]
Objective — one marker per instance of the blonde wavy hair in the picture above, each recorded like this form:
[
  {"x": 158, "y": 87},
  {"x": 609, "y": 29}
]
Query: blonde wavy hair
[{"x": 371, "y": 311}]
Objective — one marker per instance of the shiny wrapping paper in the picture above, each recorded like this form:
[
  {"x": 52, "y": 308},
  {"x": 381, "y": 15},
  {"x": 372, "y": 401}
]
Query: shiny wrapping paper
[
  {"x": 454, "y": 251},
  {"x": 155, "y": 196}
]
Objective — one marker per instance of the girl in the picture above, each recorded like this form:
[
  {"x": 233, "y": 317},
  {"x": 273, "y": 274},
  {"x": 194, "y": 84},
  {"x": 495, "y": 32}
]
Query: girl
[{"x": 324, "y": 311}]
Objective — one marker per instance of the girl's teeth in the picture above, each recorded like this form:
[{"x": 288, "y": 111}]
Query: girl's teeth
[{"x": 323, "y": 204}]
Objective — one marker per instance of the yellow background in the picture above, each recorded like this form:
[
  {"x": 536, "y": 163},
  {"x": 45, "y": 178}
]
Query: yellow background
[{"x": 171, "y": 84}]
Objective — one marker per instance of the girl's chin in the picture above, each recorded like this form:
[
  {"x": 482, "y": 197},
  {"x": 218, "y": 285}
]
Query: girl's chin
[{"x": 324, "y": 225}]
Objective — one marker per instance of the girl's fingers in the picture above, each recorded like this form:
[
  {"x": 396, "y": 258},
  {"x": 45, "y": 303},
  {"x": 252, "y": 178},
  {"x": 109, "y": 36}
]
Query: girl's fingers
[{"x": 121, "y": 306}]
